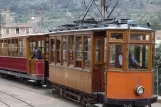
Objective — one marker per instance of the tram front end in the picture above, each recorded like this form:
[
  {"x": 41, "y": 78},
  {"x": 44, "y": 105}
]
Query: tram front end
[{"x": 129, "y": 75}]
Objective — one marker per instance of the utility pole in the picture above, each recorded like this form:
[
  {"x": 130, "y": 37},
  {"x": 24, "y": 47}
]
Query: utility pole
[
  {"x": 104, "y": 7},
  {"x": 41, "y": 22}
]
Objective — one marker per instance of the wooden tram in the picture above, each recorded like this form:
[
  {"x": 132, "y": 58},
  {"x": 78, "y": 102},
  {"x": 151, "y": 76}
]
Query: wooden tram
[
  {"x": 84, "y": 64},
  {"x": 16, "y": 53}
]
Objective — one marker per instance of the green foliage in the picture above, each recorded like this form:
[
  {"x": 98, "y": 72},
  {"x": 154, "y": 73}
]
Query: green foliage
[
  {"x": 158, "y": 59},
  {"x": 158, "y": 55},
  {"x": 158, "y": 67},
  {"x": 58, "y": 9}
]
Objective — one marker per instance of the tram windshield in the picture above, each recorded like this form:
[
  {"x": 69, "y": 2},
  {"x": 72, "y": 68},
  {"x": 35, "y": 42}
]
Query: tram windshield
[
  {"x": 138, "y": 55},
  {"x": 138, "y": 52}
]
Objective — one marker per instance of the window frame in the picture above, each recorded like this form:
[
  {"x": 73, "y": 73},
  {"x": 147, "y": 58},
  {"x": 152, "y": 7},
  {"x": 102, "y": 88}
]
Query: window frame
[
  {"x": 82, "y": 61},
  {"x": 69, "y": 49},
  {"x": 80, "y": 51},
  {"x": 149, "y": 56},
  {"x": 123, "y": 55},
  {"x": 140, "y": 41},
  {"x": 7, "y": 30},
  {"x": 17, "y": 30},
  {"x": 84, "y": 51},
  {"x": 60, "y": 53},
  {"x": 66, "y": 51},
  {"x": 52, "y": 38},
  {"x": 27, "y": 30},
  {"x": 116, "y": 31}
]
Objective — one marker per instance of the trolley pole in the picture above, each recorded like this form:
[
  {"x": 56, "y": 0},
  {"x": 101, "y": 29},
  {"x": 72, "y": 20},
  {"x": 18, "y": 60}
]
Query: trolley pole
[{"x": 157, "y": 82}]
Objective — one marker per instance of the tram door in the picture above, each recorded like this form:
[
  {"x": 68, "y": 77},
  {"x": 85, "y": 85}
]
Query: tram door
[
  {"x": 98, "y": 66},
  {"x": 42, "y": 45}
]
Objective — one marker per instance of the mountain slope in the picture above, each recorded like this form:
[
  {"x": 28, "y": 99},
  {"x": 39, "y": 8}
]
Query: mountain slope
[{"x": 58, "y": 12}]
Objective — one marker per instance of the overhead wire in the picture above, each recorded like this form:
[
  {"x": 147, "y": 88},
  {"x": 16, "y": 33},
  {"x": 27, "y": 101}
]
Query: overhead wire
[{"x": 84, "y": 3}]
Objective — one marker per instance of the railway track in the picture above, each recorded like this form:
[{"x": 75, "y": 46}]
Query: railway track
[
  {"x": 12, "y": 96},
  {"x": 5, "y": 104},
  {"x": 27, "y": 89}
]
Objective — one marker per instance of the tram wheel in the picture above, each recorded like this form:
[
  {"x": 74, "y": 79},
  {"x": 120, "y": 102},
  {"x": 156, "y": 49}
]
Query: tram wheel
[
  {"x": 89, "y": 105},
  {"x": 143, "y": 106},
  {"x": 3, "y": 75}
]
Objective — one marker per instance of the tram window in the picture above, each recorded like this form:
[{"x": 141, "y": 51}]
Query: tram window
[
  {"x": 24, "y": 47},
  {"x": 64, "y": 50},
  {"x": 138, "y": 57},
  {"x": 52, "y": 50},
  {"x": 58, "y": 50},
  {"x": 3, "y": 48},
  {"x": 78, "y": 51},
  {"x": 105, "y": 53},
  {"x": 12, "y": 47},
  {"x": 16, "y": 47},
  {"x": 87, "y": 51},
  {"x": 9, "y": 47},
  {"x": 134, "y": 36},
  {"x": 6, "y": 48},
  {"x": 97, "y": 50},
  {"x": 32, "y": 47},
  {"x": 71, "y": 53},
  {"x": 115, "y": 36},
  {"x": 0, "y": 47},
  {"x": 41, "y": 47},
  {"x": 21, "y": 48},
  {"x": 116, "y": 57}
]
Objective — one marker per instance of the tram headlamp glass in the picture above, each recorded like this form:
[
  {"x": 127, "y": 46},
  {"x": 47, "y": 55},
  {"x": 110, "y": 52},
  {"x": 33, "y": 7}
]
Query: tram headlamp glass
[{"x": 140, "y": 90}]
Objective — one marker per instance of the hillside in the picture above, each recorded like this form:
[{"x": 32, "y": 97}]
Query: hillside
[{"x": 56, "y": 12}]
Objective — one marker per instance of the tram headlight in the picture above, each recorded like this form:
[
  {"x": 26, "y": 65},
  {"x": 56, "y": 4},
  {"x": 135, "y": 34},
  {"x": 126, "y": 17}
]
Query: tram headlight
[{"x": 140, "y": 90}]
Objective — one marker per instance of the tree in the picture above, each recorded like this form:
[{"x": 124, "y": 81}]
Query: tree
[{"x": 158, "y": 66}]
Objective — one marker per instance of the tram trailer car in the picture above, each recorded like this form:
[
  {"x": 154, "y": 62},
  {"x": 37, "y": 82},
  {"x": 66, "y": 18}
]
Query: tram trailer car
[
  {"x": 16, "y": 53},
  {"x": 84, "y": 65}
]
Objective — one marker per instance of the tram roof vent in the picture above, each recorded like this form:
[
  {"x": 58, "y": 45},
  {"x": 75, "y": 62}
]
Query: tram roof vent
[
  {"x": 86, "y": 21},
  {"x": 117, "y": 21},
  {"x": 66, "y": 27},
  {"x": 131, "y": 23}
]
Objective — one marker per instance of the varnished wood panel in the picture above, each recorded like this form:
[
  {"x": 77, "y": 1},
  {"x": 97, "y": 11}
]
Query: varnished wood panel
[
  {"x": 32, "y": 67},
  {"x": 81, "y": 81},
  {"x": 73, "y": 78}
]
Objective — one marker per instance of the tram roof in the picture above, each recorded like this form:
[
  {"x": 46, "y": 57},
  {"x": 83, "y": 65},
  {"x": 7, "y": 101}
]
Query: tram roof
[
  {"x": 121, "y": 27},
  {"x": 25, "y": 35}
]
